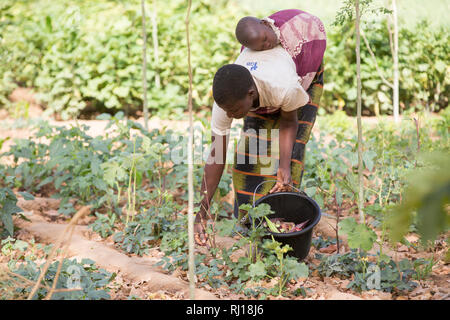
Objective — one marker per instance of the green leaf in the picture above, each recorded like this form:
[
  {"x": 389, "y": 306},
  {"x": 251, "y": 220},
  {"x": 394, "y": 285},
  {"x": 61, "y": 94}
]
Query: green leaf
[
  {"x": 295, "y": 269},
  {"x": 362, "y": 237},
  {"x": 347, "y": 225},
  {"x": 260, "y": 211},
  {"x": 121, "y": 91},
  {"x": 48, "y": 23},
  {"x": 311, "y": 191},
  {"x": 21, "y": 245},
  {"x": 26, "y": 195},
  {"x": 104, "y": 116},
  {"x": 9, "y": 207},
  {"x": 440, "y": 65},
  {"x": 271, "y": 225},
  {"x": 368, "y": 159},
  {"x": 44, "y": 182},
  {"x": 225, "y": 227},
  {"x": 112, "y": 172},
  {"x": 257, "y": 270},
  {"x": 359, "y": 236}
]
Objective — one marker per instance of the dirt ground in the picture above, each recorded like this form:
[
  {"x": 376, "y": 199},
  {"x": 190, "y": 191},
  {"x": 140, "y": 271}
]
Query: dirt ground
[{"x": 137, "y": 276}]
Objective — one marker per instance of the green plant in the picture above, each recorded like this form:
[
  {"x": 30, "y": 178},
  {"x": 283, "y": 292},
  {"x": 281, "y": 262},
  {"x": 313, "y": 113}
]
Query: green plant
[
  {"x": 86, "y": 280},
  {"x": 360, "y": 236},
  {"x": 29, "y": 171},
  {"x": 423, "y": 268},
  {"x": 385, "y": 275},
  {"x": 8, "y": 207},
  {"x": 342, "y": 265},
  {"x": 286, "y": 268},
  {"x": 104, "y": 224},
  {"x": 319, "y": 242},
  {"x": 81, "y": 280},
  {"x": 85, "y": 70},
  {"x": 265, "y": 259},
  {"x": 256, "y": 231},
  {"x": 426, "y": 198},
  {"x": 51, "y": 48}
]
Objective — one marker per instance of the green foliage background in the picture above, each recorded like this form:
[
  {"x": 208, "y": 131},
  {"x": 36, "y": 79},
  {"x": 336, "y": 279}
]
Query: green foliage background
[{"x": 87, "y": 56}]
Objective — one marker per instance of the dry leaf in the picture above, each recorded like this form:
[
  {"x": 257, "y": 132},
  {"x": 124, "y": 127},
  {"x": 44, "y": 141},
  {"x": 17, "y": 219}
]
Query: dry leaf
[{"x": 330, "y": 249}]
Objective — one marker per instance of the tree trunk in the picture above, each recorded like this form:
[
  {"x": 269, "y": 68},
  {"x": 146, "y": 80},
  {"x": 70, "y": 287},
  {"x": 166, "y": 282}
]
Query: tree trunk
[
  {"x": 358, "y": 108},
  {"x": 395, "y": 58},
  {"x": 191, "y": 263},
  {"x": 144, "y": 65}
]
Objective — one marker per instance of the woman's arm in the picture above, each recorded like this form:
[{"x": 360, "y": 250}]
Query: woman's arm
[
  {"x": 211, "y": 177},
  {"x": 288, "y": 133},
  {"x": 213, "y": 170}
]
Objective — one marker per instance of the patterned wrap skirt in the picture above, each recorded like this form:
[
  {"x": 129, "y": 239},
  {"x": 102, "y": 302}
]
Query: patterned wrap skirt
[{"x": 256, "y": 156}]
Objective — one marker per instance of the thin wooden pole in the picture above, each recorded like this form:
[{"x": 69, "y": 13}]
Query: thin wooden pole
[
  {"x": 396, "y": 88},
  {"x": 155, "y": 45},
  {"x": 358, "y": 108},
  {"x": 144, "y": 65},
  {"x": 191, "y": 263}
]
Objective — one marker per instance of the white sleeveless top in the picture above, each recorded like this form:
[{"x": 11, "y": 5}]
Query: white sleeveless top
[{"x": 276, "y": 80}]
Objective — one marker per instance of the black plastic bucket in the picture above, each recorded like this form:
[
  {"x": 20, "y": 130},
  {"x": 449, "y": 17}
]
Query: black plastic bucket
[{"x": 294, "y": 207}]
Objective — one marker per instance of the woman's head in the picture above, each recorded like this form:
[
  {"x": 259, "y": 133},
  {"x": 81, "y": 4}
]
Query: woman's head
[
  {"x": 234, "y": 90},
  {"x": 255, "y": 34}
]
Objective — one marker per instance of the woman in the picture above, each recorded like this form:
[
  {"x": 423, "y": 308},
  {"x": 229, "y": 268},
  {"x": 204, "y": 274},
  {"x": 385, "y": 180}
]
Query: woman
[{"x": 266, "y": 86}]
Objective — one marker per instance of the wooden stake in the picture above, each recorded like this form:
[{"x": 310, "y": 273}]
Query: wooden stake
[
  {"x": 358, "y": 108},
  {"x": 144, "y": 65},
  {"x": 395, "y": 58},
  {"x": 191, "y": 263}
]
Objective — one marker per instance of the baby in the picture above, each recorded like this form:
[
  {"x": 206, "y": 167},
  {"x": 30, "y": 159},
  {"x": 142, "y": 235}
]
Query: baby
[
  {"x": 256, "y": 34},
  {"x": 301, "y": 34}
]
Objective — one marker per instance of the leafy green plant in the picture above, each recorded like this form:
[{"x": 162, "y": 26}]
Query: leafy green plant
[
  {"x": 81, "y": 280},
  {"x": 265, "y": 259},
  {"x": 360, "y": 236},
  {"x": 90, "y": 71},
  {"x": 104, "y": 224},
  {"x": 85, "y": 278},
  {"x": 342, "y": 265},
  {"x": 286, "y": 268},
  {"x": 51, "y": 48},
  {"x": 385, "y": 275},
  {"x": 256, "y": 231},
  {"x": 8, "y": 207},
  {"x": 423, "y": 268},
  {"x": 426, "y": 197},
  {"x": 29, "y": 171}
]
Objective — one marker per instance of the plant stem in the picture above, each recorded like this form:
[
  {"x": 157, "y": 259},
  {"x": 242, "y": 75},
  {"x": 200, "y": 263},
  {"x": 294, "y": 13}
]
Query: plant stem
[
  {"x": 390, "y": 85},
  {"x": 338, "y": 209},
  {"x": 134, "y": 193}
]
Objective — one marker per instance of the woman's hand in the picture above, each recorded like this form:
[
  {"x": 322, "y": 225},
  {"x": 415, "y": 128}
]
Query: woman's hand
[{"x": 283, "y": 180}]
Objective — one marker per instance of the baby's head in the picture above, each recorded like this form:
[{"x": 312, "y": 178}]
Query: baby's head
[{"x": 255, "y": 34}]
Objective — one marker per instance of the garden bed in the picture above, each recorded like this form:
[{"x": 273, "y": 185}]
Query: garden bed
[{"x": 138, "y": 276}]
